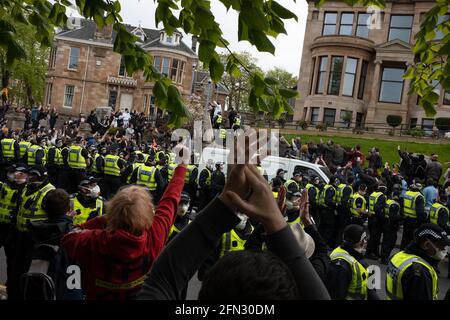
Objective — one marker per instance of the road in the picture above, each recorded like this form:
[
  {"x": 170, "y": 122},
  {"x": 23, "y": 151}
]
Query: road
[{"x": 194, "y": 284}]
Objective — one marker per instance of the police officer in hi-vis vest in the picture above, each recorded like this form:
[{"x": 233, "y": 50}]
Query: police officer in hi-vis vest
[
  {"x": 390, "y": 228},
  {"x": 77, "y": 158},
  {"x": 204, "y": 184},
  {"x": 87, "y": 203},
  {"x": 347, "y": 274},
  {"x": 9, "y": 153},
  {"x": 376, "y": 221},
  {"x": 147, "y": 175},
  {"x": 412, "y": 273},
  {"x": 413, "y": 213},
  {"x": 113, "y": 171}
]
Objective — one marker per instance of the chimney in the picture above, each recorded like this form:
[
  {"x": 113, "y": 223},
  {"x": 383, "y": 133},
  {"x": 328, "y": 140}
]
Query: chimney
[
  {"x": 104, "y": 34},
  {"x": 194, "y": 43}
]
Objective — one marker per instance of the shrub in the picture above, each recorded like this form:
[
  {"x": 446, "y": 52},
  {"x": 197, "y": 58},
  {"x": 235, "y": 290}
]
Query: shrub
[
  {"x": 393, "y": 120},
  {"x": 303, "y": 124},
  {"x": 443, "y": 124},
  {"x": 322, "y": 126},
  {"x": 416, "y": 132}
]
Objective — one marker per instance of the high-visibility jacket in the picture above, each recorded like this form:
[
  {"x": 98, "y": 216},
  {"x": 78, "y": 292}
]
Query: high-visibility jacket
[
  {"x": 208, "y": 179},
  {"x": 409, "y": 203},
  {"x": 146, "y": 177},
  {"x": 134, "y": 166},
  {"x": 353, "y": 208},
  {"x": 8, "y": 148},
  {"x": 170, "y": 169},
  {"x": 389, "y": 204},
  {"x": 223, "y": 134},
  {"x": 82, "y": 213},
  {"x": 8, "y": 202},
  {"x": 297, "y": 220},
  {"x": 158, "y": 155},
  {"x": 31, "y": 154},
  {"x": 260, "y": 169},
  {"x": 340, "y": 192},
  {"x": 219, "y": 119},
  {"x": 289, "y": 182},
  {"x": 23, "y": 146},
  {"x": 399, "y": 263},
  {"x": 324, "y": 193},
  {"x": 275, "y": 194},
  {"x": 357, "y": 289},
  {"x": 175, "y": 229},
  {"x": 58, "y": 157},
  {"x": 231, "y": 242},
  {"x": 309, "y": 186},
  {"x": 112, "y": 165},
  {"x": 187, "y": 176},
  {"x": 75, "y": 159},
  {"x": 30, "y": 208},
  {"x": 94, "y": 168},
  {"x": 237, "y": 121},
  {"x": 373, "y": 199},
  {"x": 434, "y": 212}
]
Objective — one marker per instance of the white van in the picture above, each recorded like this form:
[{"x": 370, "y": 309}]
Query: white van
[{"x": 270, "y": 164}]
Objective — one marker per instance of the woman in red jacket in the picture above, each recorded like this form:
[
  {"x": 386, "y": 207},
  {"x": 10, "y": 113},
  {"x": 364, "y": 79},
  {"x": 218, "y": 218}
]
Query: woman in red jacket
[{"x": 116, "y": 251}]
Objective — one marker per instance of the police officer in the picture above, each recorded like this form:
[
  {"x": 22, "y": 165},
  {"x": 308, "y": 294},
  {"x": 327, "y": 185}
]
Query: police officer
[
  {"x": 390, "y": 228},
  {"x": 10, "y": 151},
  {"x": 23, "y": 147},
  {"x": 217, "y": 180},
  {"x": 87, "y": 203},
  {"x": 313, "y": 195},
  {"x": 54, "y": 161},
  {"x": 292, "y": 212},
  {"x": 113, "y": 170},
  {"x": 439, "y": 213},
  {"x": 235, "y": 239},
  {"x": 148, "y": 175},
  {"x": 137, "y": 161},
  {"x": 30, "y": 210},
  {"x": 413, "y": 213},
  {"x": 236, "y": 122},
  {"x": 182, "y": 218},
  {"x": 204, "y": 184},
  {"x": 78, "y": 161},
  {"x": 295, "y": 183},
  {"x": 358, "y": 208},
  {"x": 344, "y": 191},
  {"x": 218, "y": 120},
  {"x": 347, "y": 274},
  {"x": 35, "y": 154},
  {"x": 376, "y": 221},
  {"x": 161, "y": 165},
  {"x": 279, "y": 178},
  {"x": 327, "y": 201},
  {"x": 171, "y": 166},
  {"x": 412, "y": 273}
]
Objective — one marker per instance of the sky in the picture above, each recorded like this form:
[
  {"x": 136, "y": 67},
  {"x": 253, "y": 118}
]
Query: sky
[{"x": 288, "y": 47}]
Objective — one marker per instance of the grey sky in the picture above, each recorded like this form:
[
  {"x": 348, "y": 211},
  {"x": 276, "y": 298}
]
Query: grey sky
[{"x": 288, "y": 48}]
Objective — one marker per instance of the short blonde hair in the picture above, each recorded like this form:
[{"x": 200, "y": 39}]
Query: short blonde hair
[{"x": 131, "y": 209}]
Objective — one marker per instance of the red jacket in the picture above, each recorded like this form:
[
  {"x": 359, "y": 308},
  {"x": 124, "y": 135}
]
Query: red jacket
[{"x": 114, "y": 264}]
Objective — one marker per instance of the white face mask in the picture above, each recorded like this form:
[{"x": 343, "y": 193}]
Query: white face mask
[
  {"x": 362, "y": 251},
  {"x": 440, "y": 253},
  {"x": 241, "y": 225},
  {"x": 94, "y": 192},
  {"x": 182, "y": 209}
]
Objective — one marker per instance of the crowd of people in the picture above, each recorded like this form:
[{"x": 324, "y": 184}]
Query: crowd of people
[{"x": 119, "y": 203}]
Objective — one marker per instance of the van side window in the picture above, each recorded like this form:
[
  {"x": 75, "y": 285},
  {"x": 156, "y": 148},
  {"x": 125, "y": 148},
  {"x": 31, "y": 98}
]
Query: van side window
[{"x": 307, "y": 172}]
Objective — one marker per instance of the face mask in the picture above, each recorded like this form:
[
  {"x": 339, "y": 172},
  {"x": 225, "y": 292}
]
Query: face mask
[
  {"x": 362, "y": 251},
  {"x": 241, "y": 225},
  {"x": 182, "y": 209},
  {"x": 94, "y": 192},
  {"x": 11, "y": 176},
  {"x": 440, "y": 254}
]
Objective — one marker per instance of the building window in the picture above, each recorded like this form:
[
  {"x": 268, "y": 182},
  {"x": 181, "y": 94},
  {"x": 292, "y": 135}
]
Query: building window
[
  {"x": 441, "y": 19},
  {"x": 112, "y": 99},
  {"x": 52, "y": 62},
  {"x": 169, "y": 39},
  {"x": 428, "y": 125},
  {"x": 359, "y": 120},
  {"x": 315, "y": 115},
  {"x": 73, "y": 58},
  {"x": 122, "y": 70},
  {"x": 329, "y": 24},
  {"x": 329, "y": 115},
  {"x": 335, "y": 75},
  {"x": 68, "y": 96},
  {"x": 400, "y": 28},
  {"x": 362, "y": 79},
  {"x": 413, "y": 123},
  {"x": 157, "y": 63},
  {"x": 320, "y": 87},
  {"x": 177, "y": 70},
  {"x": 49, "y": 93},
  {"x": 362, "y": 27},
  {"x": 346, "y": 27},
  {"x": 312, "y": 75},
  {"x": 346, "y": 118},
  {"x": 392, "y": 85},
  {"x": 349, "y": 76},
  {"x": 165, "y": 66},
  {"x": 447, "y": 97}
]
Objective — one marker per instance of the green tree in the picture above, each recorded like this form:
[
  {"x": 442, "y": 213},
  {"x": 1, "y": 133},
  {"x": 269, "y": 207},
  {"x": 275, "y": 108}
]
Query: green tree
[{"x": 285, "y": 78}]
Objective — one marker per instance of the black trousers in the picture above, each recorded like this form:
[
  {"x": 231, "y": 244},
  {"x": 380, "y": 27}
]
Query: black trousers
[
  {"x": 390, "y": 229},
  {"x": 409, "y": 225},
  {"x": 53, "y": 173},
  {"x": 343, "y": 220},
  {"x": 375, "y": 225},
  {"x": 75, "y": 176},
  {"x": 63, "y": 180},
  {"x": 111, "y": 184},
  {"x": 327, "y": 226}
]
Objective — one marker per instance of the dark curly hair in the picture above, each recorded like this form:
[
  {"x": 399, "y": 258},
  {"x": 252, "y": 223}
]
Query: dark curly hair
[{"x": 250, "y": 275}]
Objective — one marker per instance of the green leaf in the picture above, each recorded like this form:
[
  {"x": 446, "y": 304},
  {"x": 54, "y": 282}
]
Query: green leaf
[
  {"x": 287, "y": 93},
  {"x": 271, "y": 81},
  {"x": 258, "y": 85},
  {"x": 117, "y": 7},
  {"x": 409, "y": 74},
  {"x": 160, "y": 93},
  {"x": 206, "y": 51},
  {"x": 282, "y": 12},
  {"x": 253, "y": 16},
  {"x": 260, "y": 40},
  {"x": 216, "y": 68}
]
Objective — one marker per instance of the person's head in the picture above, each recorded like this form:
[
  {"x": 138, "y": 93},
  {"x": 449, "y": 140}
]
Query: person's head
[
  {"x": 183, "y": 205},
  {"x": 56, "y": 203},
  {"x": 79, "y": 140},
  {"x": 315, "y": 180},
  {"x": 292, "y": 200},
  {"x": 249, "y": 275},
  {"x": 355, "y": 236},
  {"x": 330, "y": 142},
  {"x": 430, "y": 182},
  {"x": 37, "y": 175},
  {"x": 304, "y": 149},
  {"x": 357, "y": 147},
  {"x": 432, "y": 239},
  {"x": 350, "y": 179},
  {"x": 382, "y": 188},
  {"x": 335, "y": 181},
  {"x": 297, "y": 176},
  {"x": 280, "y": 173},
  {"x": 113, "y": 151},
  {"x": 219, "y": 166},
  {"x": 131, "y": 210},
  {"x": 415, "y": 187},
  {"x": 18, "y": 174},
  {"x": 89, "y": 188},
  {"x": 362, "y": 190},
  {"x": 210, "y": 164}
]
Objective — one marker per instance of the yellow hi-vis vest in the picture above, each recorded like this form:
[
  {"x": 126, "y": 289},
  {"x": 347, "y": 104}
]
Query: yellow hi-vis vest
[
  {"x": 434, "y": 212},
  {"x": 289, "y": 182},
  {"x": 219, "y": 119},
  {"x": 8, "y": 148},
  {"x": 83, "y": 213},
  {"x": 187, "y": 175},
  {"x": 58, "y": 160},
  {"x": 23, "y": 146},
  {"x": 353, "y": 208},
  {"x": 146, "y": 177},
  {"x": 340, "y": 192},
  {"x": 409, "y": 203},
  {"x": 323, "y": 194},
  {"x": 357, "y": 289},
  {"x": 208, "y": 179},
  {"x": 31, "y": 207},
  {"x": 75, "y": 159},
  {"x": 390, "y": 203},
  {"x": 175, "y": 229},
  {"x": 7, "y": 204},
  {"x": 94, "y": 168},
  {"x": 31, "y": 154},
  {"x": 222, "y": 134},
  {"x": 237, "y": 121},
  {"x": 275, "y": 194},
  {"x": 399, "y": 263},
  {"x": 170, "y": 170},
  {"x": 134, "y": 165},
  {"x": 112, "y": 166},
  {"x": 373, "y": 199},
  {"x": 231, "y": 242},
  {"x": 309, "y": 186}
]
